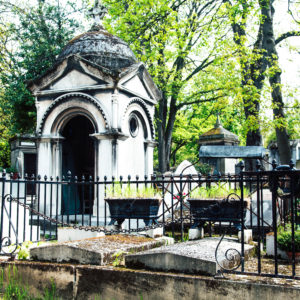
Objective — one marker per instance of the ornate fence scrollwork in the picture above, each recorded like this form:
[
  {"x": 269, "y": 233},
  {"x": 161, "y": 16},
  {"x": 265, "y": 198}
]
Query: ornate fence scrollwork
[
  {"x": 6, "y": 242},
  {"x": 233, "y": 256}
]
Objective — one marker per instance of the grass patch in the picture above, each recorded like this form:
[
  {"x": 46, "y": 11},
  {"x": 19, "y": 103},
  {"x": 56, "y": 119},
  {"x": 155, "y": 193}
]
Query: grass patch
[{"x": 13, "y": 288}]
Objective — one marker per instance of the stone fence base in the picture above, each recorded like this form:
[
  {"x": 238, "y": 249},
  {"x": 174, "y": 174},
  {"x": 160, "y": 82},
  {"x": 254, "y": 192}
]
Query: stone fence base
[{"x": 92, "y": 282}]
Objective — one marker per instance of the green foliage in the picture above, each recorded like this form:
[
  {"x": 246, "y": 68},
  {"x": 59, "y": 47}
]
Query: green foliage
[
  {"x": 11, "y": 170},
  {"x": 40, "y": 32},
  {"x": 31, "y": 41},
  {"x": 204, "y": 169},
  {"x": 284, "y": 240},
  {"x": 186, "y": 237},
  {"x": 119, "y": 258},
  {"x": 189, "y": 57},
  {"x": 4, "y": 139},
  {"x": 14, "y": 290},
  {"x": 220, "y": 191},
  {"x": 12, "y": 287},
  {"x": 119, "y": 190},
  {"x": 198, "y": 63},
  {"x": 51, "y": 294},
  {"x": 23, "y": 250}
]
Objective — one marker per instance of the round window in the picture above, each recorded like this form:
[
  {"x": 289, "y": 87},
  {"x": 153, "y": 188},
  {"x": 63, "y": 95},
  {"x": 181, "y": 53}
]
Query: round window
[{"x": 133, "y": 125}]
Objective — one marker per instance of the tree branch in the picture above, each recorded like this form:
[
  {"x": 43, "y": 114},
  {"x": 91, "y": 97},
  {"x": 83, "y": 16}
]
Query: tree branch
[
  {"x": 180, "y": 105},
  {"x": 287, "y": 35},
  {"x": 202, "y": 66}
]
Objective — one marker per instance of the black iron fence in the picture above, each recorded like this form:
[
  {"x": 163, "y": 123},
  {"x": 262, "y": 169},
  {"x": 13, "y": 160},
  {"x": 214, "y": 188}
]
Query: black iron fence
[{"x": 266, "y": 202}]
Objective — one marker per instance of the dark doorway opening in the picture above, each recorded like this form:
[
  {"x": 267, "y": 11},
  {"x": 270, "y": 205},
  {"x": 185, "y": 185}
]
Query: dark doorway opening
[
  {"x": 30, "y": 170},
  {"x": 78, "y": 156}
]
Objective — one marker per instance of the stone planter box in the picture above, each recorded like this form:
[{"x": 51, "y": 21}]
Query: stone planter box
[
  {"x": 215, "y": 210},
  {"x": 133, "y": 208}
]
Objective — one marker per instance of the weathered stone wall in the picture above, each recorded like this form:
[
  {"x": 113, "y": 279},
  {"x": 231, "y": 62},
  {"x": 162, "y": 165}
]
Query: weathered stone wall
[{"x": 90, "y": 282}]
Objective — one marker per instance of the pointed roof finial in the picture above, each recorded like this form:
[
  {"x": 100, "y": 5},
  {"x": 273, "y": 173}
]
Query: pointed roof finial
[
  {"x": 97, "y": 12},
  {"x": 218, "y": 122}
]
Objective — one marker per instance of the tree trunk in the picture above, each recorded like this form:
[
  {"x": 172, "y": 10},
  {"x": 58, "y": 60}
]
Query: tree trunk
[
  {"x": 165, "y": 134},
  {"x": 250, "y": 68},
  {"x": 267, "y": 11},
  {"x": 160, "y": 123}
]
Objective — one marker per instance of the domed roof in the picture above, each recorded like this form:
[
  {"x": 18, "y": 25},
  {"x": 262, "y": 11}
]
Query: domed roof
[{"x": 102, "y": 48}]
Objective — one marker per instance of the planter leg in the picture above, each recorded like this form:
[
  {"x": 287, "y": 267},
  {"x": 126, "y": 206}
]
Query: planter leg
[
  {"x": 112, "y": 222},
  {"x": 120, "y": 222},
  {"x": 198, "y": 224},
  {"x": 149, "y": 222}
]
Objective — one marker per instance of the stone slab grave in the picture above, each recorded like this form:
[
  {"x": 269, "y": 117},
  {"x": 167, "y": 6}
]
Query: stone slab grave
[
  {"x": 193, "y": 257},
  {"x": 96, "y": 251}
]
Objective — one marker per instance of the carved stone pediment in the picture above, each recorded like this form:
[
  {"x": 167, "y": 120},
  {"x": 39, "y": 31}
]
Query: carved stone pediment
[
  {"x": 138, "y": 82},
  {"x": 72, "y": 74}
]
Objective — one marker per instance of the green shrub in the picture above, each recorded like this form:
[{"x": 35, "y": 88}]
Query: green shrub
[
  {"x": 204, "y": 169},
  {"x": 8, "y": 170},
  {"x": 284, "y": 240}
]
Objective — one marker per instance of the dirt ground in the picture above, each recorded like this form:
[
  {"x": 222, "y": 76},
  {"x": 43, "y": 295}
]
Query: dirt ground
[{"x": 268, "y": 267}]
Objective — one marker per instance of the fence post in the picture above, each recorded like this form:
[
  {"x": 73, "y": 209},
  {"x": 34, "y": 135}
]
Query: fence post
[
  {"x": 293, "y": 215},
  {"x": 274, "y": 185},
  {"x": 181, "y": 207},
  {"x": 242, "y": 166},
  {"x": 163, "y": 200},
  {"x": 69, "y": 177},
  {"x": 172, "y": 204},
  {"x": 105, "y": 204},
  {"x": 3, "y": 179}
]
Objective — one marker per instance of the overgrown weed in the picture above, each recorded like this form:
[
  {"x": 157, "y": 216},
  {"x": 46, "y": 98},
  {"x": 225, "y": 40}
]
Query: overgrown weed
[{"x": 14, "y": 289}]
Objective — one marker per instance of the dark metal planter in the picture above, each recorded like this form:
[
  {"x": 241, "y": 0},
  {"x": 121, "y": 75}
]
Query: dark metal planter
[
  {"x": 215, "y": 210},
  {"x": 133, "y": 208}
]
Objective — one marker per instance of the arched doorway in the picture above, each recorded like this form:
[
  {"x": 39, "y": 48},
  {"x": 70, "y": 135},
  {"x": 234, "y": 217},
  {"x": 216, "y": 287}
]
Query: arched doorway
[{"x": 78, "y": 156}]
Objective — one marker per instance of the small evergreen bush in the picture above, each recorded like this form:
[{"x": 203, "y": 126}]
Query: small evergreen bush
[{"x": 284, "y": 240}]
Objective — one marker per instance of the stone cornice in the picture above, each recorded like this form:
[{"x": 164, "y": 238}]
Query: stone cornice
[{"x": 110, "y": 135}]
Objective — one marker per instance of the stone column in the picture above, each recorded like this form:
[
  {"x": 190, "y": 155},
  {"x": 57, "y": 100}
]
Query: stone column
[
  {"x": 44, "y": 156},
  {"x": 57, "y": 156},
  {"x": 49, "y": 164},
  {"x": 114, "y": 158},
  {"x": 149, "y": 147},
  {"x": 115, "y": 108}
]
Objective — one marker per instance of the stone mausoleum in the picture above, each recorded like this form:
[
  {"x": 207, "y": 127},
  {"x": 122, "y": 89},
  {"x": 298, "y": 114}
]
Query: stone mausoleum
[
  {"x": 95, "y": 110},
  {"x": 218, "y": 136},
  {"x": 219, "y": 148}
]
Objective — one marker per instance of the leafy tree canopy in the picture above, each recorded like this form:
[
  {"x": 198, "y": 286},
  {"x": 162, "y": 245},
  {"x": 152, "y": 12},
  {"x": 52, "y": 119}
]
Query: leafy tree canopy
[{"x": 36, "y": 33}]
